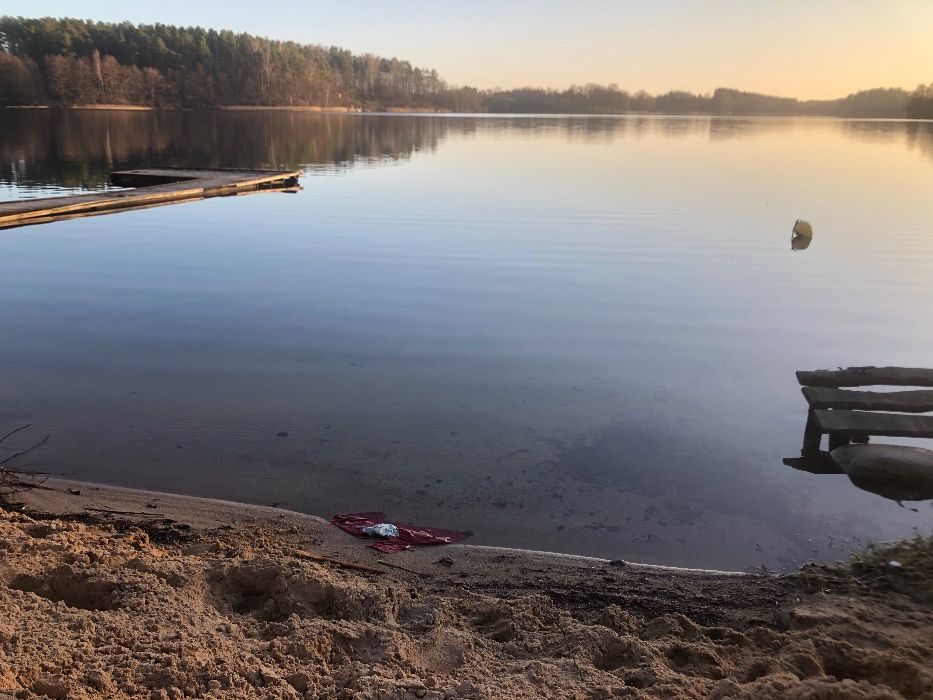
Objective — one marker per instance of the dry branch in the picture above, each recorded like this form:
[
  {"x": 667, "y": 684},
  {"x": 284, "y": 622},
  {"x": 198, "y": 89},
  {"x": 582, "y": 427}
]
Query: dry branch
[
  {"x": 11, "y": 480},
  {"x": 336, "y": 562},
  {"x": 110, "y": 511},
  {"x": 401, "y": 568}
]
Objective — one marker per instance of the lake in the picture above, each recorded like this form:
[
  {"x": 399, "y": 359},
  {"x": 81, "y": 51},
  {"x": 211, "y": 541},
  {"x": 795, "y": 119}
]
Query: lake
[{"x": 575, "y": 334}]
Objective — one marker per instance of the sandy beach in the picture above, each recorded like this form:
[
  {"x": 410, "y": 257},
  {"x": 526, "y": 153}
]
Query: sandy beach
[{"x": 115, "y": 593}]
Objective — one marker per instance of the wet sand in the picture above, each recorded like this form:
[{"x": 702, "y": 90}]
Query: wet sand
[{"x": 120, "y": 593}]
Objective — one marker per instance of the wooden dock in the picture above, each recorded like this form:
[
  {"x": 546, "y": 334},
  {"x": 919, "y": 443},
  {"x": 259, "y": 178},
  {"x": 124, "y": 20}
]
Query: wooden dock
[
  {"x": 150, "y": 187},
  {"x": 848, "y": 415}
]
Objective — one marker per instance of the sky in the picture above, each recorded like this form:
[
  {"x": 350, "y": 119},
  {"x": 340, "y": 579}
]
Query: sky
[{"x": 797, "y": 48}]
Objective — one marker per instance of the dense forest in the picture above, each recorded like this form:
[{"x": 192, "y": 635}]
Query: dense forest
[{"x": 78, "y": 62}]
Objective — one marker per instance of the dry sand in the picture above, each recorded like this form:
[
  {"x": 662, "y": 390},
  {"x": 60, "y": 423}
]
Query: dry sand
[{"x": 207, "y": 599}]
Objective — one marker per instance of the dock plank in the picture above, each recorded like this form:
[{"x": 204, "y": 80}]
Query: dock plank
[
  {"x": 867, "y": 376},
  {"x": 917, "y": 401},
  {"x": 864, "y": 423},
  {"x": 160, "y": 186}
]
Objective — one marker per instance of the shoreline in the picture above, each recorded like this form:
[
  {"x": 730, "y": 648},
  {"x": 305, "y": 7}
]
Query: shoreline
[
  {"x": 412, "y": 112},
  {"x": 206, "y": 512},
  {"x": 125, "y": 593}
]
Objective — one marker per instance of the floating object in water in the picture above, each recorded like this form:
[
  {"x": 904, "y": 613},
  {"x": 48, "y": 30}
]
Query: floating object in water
[
  {"x": 801, "y": 235},
  {"x": 803, "y": 228},
  {"x": 898, "y": 472},
  {"x": 800, "y": 242}
]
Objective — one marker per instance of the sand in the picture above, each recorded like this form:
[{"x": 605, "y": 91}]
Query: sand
[{"x": 206, "y": 599}]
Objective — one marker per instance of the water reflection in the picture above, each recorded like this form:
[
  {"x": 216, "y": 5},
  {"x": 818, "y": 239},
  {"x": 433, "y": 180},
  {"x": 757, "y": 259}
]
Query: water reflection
[
  {"x": 916, "y": 135},
  {"x": 893, "y": 487},
  {"x": 727, "y": 129},
  {"x": 895, "y": 472},
  {"x": 74, "y": 149}
]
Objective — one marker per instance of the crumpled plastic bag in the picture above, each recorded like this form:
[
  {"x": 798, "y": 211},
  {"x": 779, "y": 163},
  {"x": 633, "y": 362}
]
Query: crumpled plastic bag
[{"x": 381, "y": 530}]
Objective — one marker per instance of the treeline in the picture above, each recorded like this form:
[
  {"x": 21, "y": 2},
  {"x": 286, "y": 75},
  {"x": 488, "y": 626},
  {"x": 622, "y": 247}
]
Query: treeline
[
  {"x": 79, "y": 62},
  {"x": 920, "y": 104},
  {"x": 70, "y": 61},
  {"x": 596, "y": 99}
]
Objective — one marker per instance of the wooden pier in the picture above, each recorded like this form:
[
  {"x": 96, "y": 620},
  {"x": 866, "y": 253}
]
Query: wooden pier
[
  {"x": 848, "y": 415},
  {"x": 150, "y": 187}
]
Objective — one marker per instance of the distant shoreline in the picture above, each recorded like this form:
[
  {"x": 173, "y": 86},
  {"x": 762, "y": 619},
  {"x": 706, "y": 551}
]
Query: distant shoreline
[
  {"x": 237, "y": 108},
  {"x": 412, "y": 111}
]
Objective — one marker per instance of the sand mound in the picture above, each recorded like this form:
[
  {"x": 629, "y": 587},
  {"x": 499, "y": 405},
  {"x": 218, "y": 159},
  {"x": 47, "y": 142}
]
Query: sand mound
[{"x": 94, "y": 611}]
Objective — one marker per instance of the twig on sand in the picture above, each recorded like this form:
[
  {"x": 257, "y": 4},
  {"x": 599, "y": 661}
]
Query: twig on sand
[
  {"x": 11, "y": 481},
  {"x": 26, "y": 451},
  {"x": 400, "y": 567},
  {"x": 336, "y": 562},
  {"x": 13, "y": 487},
  {"x": 123, "y": 512},
  {"x": 573, "y": 656}
]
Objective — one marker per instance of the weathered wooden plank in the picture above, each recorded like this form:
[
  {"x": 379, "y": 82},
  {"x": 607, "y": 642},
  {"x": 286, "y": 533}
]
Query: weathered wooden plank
[
  {"x": 143, "y": 178},
  {"x": 866, "y": 423},
  {"x": 177, "y": 184},
  {"x": 80, "y": 214},
  {"x": 918, "y": 401},
  {"x": 867, "y": 376},
  {"x": 183, "y": 177},
  {"x": 815, "y": 462}
]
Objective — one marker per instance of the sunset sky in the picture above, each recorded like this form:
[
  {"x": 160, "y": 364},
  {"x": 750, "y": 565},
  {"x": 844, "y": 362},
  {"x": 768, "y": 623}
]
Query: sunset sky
[{"x": 797, "y": 48}]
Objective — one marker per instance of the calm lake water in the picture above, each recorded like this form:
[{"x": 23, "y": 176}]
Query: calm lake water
[{"x": 573, "y": 334}]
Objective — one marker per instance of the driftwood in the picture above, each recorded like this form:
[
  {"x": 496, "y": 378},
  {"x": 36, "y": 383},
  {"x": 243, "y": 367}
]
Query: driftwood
[
  {"x": 12, "y": 486},
  {"x": 110, "y": 511},
  {"x": 301, "y": 553},
  {"x": 11, "y": 481},
  {"x": 400, "y": 567}
]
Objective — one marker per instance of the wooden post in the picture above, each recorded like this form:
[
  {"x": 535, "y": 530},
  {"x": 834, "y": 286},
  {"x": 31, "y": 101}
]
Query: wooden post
[{"x": 812, "y": 435}]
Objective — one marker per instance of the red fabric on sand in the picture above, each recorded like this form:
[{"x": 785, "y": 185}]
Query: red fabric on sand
[{"x": 408, "y": 535}]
